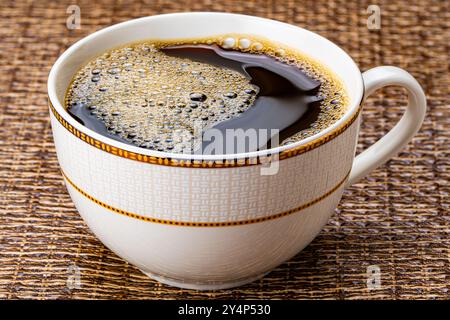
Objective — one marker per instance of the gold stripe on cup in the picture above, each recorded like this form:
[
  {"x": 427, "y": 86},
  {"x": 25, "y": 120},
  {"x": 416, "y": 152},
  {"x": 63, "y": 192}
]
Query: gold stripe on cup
[{"x": 205, "y": 224}]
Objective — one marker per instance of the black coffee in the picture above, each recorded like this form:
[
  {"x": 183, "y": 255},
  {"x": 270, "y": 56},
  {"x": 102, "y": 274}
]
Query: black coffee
[{"x": 205, "y": 96}]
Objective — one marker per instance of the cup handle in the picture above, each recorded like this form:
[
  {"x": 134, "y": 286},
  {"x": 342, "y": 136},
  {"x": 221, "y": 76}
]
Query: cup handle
[{"x": 403, "y": 131}]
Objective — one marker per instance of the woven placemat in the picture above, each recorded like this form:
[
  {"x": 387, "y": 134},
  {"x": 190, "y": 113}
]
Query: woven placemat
[{"x": 396, "y": 219}]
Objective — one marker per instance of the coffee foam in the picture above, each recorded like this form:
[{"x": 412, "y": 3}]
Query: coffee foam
[{"x": 162, "y": 102}]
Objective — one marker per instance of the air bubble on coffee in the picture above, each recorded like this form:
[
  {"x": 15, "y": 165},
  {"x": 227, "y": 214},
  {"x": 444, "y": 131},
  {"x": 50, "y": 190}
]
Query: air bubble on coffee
[{"x": 165, "y": 95}]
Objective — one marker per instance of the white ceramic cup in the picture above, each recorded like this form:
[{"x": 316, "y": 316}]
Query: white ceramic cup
[{"x": 207, "y": 221}]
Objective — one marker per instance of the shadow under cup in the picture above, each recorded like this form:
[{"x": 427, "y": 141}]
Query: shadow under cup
[{"x": 204, "y": 221}]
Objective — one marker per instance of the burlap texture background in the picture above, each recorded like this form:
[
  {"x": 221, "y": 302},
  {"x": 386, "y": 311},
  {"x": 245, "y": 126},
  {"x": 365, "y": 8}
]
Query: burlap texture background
[{"x": 397, "y": 218}]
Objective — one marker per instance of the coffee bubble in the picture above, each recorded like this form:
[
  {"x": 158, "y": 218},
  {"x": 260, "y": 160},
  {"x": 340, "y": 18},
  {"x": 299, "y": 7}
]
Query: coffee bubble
[{"x": 228, "y": 43}]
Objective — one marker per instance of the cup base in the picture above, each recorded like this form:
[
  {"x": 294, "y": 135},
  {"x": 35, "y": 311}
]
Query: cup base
[{"x": 204, "y": 286}]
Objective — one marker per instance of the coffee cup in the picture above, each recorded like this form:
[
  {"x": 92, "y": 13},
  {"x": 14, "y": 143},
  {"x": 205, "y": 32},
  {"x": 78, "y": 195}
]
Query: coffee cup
[{"x": 218, "y": 221}]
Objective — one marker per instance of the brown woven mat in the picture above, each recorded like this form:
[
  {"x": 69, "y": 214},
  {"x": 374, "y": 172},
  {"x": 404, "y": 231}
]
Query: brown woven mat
[{"x": 396, "y": 219}]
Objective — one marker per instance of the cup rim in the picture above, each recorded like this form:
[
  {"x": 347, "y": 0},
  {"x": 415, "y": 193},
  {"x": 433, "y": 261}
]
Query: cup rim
[{"x": 323, "y": 136}]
